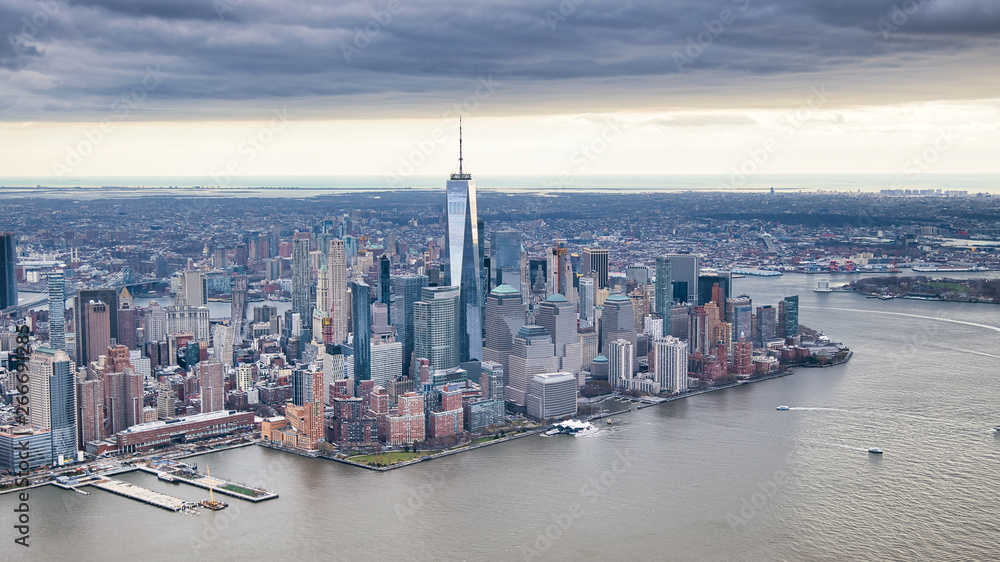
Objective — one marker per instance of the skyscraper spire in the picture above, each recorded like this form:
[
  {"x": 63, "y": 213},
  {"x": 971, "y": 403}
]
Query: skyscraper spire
[{"x": 461, "y": 175}]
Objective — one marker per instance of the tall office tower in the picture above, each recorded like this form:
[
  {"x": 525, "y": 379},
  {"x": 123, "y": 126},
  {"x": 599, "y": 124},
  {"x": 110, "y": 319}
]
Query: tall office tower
[
  {"x": 557, "y": 260},
  {"x": 96, "y": 328},
  {"x": 533, "y": 353},
  {"x": 664, "y": 292},
  {"x": 386, "y": 361},
  {"x": 617, "y": 322},
  {"x": 123, "y": 389},
  {"x": 723, "y": 337},
  {"x": 504, "y": 317},
  {"x": 238, "y": 307},
  {"x": 90, "y": 394},
  {"x": 83, "y": 296},
  {"x": 336, "y": 263},
  {"x": 361, "y": 323},
  {"x": 684, "y": 271},
  {"x": 671, "y": 364},
  {"x": 621, "y": 357},
  {"x": 57, "y": 310},
  {"x": 711, "y": 322},
  {"x": 8, "y": 270},
  {"x": 435, "y": 327},
  {"x": 166, "y": 400},
  {"x": 588, "y": 345},
  {"x": 406, "y": 290},
  {"x": 788, "y": 313},
  {"x": 552, "y": 395},
  {"x": 639, "y": 309},
  {"x": 52, "y": 391},
  {"x": 697, "y": 330},
  {"x": 321, "y": 313},
  {"x": 127, "y": 319},
  {"x": 587, "y": 298},
  {"x": 706, "y": 286},
  {"x": 638, "y": 272},
  {"x": 463, "y": 259},
  {"x": 189, "y": 319},
  {"x": 384, "y": 284},
  {"x": 538, "y": 276},
  {"x": 558, "y": 316},
  {"x": 193, "y": 289},
  {"x": 505, "y": 246},
  {"x": 156, "y": 322},
  {"x": 301, "y": 275},
  {"x": 213, "y": 389},
  {"x": 595, "y": 260},
  {"x": 767, "y": 323}
]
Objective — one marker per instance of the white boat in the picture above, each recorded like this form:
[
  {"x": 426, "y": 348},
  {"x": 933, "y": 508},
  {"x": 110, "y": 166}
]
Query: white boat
[
  {"x": 823, "y": 286},
  {"x": 166, "y": 477},
  {"x": 875, "y": 451},
  {"x": 782, "y": 408}
]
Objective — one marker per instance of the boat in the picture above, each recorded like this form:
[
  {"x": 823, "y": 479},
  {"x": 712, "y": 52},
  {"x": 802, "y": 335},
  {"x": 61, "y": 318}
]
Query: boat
[
  {"x": 609, "y": 423},
  {"x": 996, "y": 428},
  {"x": 783, "y": 408},
  {"x": 211, "y": 502},
  {"x": 573, "y": 427},
  {"x": 875, "y": 451},
  {"x": 167, "y": 478}
]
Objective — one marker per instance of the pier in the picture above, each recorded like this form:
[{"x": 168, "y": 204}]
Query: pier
[
  {"x": 142, "y": 494},
  {"x": 218, "y": 485}
]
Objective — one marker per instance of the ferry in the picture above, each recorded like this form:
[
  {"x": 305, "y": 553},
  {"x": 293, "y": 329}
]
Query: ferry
[
  {"x": 575, "y": 428},
  {"x": 875, "y": 451},
  {"x": 782, "y": 408}
]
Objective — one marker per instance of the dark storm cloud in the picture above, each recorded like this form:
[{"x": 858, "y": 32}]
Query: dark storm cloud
[{"x": 224, "y": 56}]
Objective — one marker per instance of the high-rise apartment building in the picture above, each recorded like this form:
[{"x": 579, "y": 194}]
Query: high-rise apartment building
[
  {"x": 361, "y": 320},
  {"x": 671, "y": 364},
  {"x": 664, "y": 298},
  {"x": 213, "y": 390},
  {"x": 336, "y": 265},
  {"x": 788, "y": 316},
  {"x": 83, "y": 333},
  {"x": 301, "y": 274},
  {"x": 621, "y": 359}
]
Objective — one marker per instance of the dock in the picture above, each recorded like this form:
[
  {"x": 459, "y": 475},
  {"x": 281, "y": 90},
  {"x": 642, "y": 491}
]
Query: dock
[
  {"x": 218, "y": 485},
  {"x": 142, "y": 494}
]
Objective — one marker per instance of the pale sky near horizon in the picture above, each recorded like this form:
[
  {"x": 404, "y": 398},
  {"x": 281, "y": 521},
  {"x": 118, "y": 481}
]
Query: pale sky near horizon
[{"x": 249, "y": 88}]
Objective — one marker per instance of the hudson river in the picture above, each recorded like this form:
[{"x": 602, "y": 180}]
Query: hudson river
[{"x": 720, "y": 476}]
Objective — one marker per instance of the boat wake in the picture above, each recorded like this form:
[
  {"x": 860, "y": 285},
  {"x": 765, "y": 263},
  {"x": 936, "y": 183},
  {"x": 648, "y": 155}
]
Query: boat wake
[
  {"x": 809, "y": 409},
  {"x": 962, "y": 322}
]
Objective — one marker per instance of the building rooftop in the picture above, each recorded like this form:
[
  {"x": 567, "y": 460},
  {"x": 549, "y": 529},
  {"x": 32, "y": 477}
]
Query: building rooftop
[
  {"x": 505, "y": 289},
  {"x": 556, "y": 297}
]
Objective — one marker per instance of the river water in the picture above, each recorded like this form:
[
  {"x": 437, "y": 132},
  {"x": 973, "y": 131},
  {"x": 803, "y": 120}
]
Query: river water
[{"x": 720, "y": 476}]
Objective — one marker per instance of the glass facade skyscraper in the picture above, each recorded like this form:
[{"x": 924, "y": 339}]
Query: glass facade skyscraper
[
  {"x": 361, "y": 320},
  {"x": 57, "y": 310},
  {"x": 406, "y": 289},
  {"x": 463, "y": 259},
  {"x": 664, "y": 296},
  {"x": 8, "y": 271}
]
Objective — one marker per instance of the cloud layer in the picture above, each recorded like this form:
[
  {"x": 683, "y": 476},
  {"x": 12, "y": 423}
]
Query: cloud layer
[{"x": 70, "y": 59}]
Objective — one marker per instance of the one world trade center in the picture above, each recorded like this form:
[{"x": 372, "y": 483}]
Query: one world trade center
[{"x": 463, "y": 258}]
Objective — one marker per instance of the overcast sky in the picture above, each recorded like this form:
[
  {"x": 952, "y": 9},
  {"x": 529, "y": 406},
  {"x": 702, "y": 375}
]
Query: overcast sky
[{"x": 193, "y": 87}]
